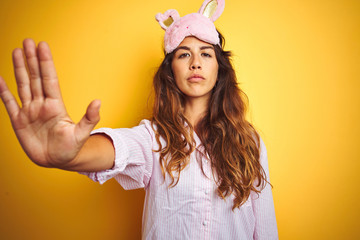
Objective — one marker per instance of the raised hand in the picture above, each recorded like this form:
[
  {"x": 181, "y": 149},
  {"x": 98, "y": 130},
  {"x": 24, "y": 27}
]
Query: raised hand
[{"x": 44, "y": 129}]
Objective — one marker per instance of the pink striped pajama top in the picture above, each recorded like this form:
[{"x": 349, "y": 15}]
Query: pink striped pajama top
[{"x": 191, "y": 209}]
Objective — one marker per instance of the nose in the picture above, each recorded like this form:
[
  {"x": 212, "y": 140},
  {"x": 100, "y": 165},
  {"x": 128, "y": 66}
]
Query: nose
[
  {"x": 195, "y": 63},
  {"x": 195, "y": 66}
]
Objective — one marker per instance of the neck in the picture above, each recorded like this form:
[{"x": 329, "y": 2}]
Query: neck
[{"x": 195, "y": 109}]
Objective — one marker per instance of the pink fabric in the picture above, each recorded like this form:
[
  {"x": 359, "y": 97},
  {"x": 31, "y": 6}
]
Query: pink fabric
[
  {"x": 194, "y": 24},
  {"x": 191, "y": 209},
  {"x": 219, "y": 9},
  {"x": 161, "y": 18}
]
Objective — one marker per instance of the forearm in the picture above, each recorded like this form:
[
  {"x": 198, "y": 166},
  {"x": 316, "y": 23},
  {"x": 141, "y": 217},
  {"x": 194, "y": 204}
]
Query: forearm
[{"x": 96, "y": 154}]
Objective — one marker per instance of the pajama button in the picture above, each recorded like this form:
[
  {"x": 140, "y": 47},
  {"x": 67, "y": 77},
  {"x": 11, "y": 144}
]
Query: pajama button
[{"x": 205, "y": 223}]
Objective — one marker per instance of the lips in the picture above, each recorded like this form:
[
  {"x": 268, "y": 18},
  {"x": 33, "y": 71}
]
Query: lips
[{"x": 195, "y": 78}]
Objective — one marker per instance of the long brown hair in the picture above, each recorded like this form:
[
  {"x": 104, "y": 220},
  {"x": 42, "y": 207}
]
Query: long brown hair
[{"x": 229, "y": 139}]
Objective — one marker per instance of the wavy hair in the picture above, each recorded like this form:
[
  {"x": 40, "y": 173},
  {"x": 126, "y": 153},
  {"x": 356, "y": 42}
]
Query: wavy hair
[{"x": 229, "y": 139}]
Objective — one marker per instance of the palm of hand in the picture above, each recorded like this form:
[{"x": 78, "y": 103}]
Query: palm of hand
[{"x": 45, "y": 131}]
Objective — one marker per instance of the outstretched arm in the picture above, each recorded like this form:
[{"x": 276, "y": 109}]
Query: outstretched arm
[{"x": 44, "y": 129}]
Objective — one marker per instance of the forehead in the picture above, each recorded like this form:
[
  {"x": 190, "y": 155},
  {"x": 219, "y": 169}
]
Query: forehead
[{"x": 193, "y": 42}]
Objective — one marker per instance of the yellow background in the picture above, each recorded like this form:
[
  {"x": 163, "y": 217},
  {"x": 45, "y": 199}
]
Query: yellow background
[{"x": 298, "y": 61}]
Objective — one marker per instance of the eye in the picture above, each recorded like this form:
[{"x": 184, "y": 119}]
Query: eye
[
  {"x": 182, "y": 55},
  {"x": 206, "y": 54}
]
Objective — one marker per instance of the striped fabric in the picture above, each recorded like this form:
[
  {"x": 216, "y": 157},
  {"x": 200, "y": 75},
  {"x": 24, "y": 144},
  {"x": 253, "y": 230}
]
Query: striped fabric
[{"x": 191, "y": 209}]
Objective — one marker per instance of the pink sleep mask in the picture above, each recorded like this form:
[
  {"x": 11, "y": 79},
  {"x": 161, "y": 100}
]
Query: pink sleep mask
[{"x": 200, "y": 24}]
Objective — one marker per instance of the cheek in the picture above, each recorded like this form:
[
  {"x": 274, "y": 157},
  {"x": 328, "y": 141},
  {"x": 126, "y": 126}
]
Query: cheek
[
  {"x": 175, "y": 70},
  {"x": 179, "y": 73},
  {"x": 175, "y": 75},
  {"x": 215, "y": 71}
]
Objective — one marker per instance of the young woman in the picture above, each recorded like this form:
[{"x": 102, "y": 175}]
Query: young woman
[{"x": 202, "y": 164}]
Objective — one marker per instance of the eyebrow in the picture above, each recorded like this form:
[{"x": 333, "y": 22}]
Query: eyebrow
[{"x": 188, "y": 49}]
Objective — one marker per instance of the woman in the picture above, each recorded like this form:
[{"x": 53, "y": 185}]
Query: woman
[{"x": 203, "y": 166}]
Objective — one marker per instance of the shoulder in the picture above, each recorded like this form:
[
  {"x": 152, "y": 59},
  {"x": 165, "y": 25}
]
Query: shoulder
[
  {"x": 141, "y": 133},
  {"x": 262, "y": 147},
  {"x": 148, "y": 126},
  {"x": 259, "y": 143}
]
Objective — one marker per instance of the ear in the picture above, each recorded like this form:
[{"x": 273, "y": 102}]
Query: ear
[
  {"x": 165, "y": 20},
  {"x": 212, "y": 9}
]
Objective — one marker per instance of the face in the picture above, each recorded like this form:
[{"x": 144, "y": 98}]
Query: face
[{"x": 195, "y": 68}]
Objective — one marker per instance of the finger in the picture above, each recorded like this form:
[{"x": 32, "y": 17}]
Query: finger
[
  {"x": 21, "y": 76},
  {"x": 34, "y": 69},
  {"x": 90, "y": 119},
  {"x": 50, "y": 82},
  {"x": 8, "y": 99}
]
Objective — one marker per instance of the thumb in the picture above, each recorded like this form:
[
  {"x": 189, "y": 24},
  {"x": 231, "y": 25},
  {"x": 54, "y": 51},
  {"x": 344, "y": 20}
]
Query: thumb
[{"x": 89, "y": 120}]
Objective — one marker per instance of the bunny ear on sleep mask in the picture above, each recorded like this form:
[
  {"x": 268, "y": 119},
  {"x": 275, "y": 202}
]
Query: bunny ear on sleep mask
[
  {"x": 212, "y": 9},
  {"x": 199, "y": 25}
]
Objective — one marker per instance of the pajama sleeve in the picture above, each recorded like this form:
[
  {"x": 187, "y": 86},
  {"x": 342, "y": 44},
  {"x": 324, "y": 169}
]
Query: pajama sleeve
[
  {"x": 263, "y": 205},
  {"x": 133, "y": 156}
]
